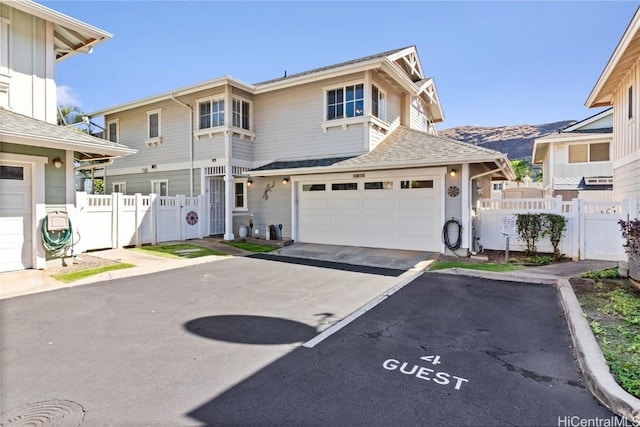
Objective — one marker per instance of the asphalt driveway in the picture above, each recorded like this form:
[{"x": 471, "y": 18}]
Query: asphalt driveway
[
  {"x": 219, "y": 343},
  {"x": 149, "y": 349}
]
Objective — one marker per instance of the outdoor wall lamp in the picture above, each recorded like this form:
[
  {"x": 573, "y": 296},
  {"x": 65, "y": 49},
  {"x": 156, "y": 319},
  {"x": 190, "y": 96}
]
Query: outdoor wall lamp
[
  {"x": 285, "y": 180},
  {"x": 249, "y": 183},
  {"x": 453, "y": 172},
  {"x": 57, "y": 163}
]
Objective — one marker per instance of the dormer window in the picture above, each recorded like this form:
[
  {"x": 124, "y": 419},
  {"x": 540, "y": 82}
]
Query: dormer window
[
  {"x": 347, "y": 101},
  {"x": 241, "y": 114}
]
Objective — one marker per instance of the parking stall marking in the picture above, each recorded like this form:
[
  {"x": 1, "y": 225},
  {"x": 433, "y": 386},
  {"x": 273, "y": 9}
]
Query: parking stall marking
[{"x": 424, "y": 373}]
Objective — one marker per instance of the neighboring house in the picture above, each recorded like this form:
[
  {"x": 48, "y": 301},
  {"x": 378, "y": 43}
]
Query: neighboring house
[
  {"x": 576, "y": 162},
  {"x": 346, "y": 154},
  {"x": 37, "y": 157},
  {"x": 618, "y": 86}
]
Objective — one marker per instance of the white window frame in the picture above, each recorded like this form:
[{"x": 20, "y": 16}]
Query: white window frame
[
  {"x": 210, "y": 100},
  {"x": 382, "y": 100},
  {"x": 5, "y": 55},
  {"x": 344, "y": 86},
  {"x": 121, "y": 185},
  {"x": 154, "y": 140},
  {"x": 245, "y": 204},
  {"x": 235, "y": 113},
  {"x": 159, "y": 183},
  {"x": 630, "y": 103},
  {"x": 113, "y": 122},
  {"x": 588, "y": 144}
]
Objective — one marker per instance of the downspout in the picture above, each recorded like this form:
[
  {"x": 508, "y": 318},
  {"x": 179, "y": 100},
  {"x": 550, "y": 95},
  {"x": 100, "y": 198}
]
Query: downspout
[{"x": 190, "y": 143}]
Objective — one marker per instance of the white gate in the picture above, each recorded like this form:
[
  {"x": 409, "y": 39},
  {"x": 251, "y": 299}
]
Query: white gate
[
  {"x": 216, "y": 206},
  {"x": 592, "y": 230},
  {"x": 116, "y": 220}
]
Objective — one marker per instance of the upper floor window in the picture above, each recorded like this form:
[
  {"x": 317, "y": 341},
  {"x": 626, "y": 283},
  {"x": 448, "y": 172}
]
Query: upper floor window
[
  {"x": 347, "y": 101},
  {"x": 241, "y": 114},
  {"x": 112, "y": 131},
  {"x": 583, "y": 153},
  {"x": 630, "y": 107},
  {"x": 153, "y": 124},
  {"x": 211, "y": 113},
  {"x": 378, "y": 103}
]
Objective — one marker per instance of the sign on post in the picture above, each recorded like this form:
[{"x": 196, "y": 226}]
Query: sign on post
[{"x": 508, "y": 229}]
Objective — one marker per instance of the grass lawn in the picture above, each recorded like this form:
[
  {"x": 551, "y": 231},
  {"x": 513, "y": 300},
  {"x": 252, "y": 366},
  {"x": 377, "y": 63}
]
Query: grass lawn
[
  {"x": 179, "y": 250},
  {"x": 484, "y": 266},
  {"x": 252, "y": 247},
  {"x": 612, "y": 307},
  {"x": 77, "y": 275}
]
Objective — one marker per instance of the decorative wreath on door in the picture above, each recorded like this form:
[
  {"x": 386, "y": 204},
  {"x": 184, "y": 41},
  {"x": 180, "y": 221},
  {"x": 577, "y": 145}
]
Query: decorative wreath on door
[{"x": 453, "y": 191}]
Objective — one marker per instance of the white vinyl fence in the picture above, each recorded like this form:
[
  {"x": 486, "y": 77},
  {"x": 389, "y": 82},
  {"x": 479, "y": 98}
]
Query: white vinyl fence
[
  {"x": 116, "y": 220},
  {"x": 592, "y": 227}
]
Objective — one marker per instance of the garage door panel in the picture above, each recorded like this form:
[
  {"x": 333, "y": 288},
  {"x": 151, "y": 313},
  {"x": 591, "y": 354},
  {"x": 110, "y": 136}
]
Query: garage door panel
[
  {"x": 316, "y": 204},
  {"x": 15, "y": 222},
  {"x": 409, "y": 218}
]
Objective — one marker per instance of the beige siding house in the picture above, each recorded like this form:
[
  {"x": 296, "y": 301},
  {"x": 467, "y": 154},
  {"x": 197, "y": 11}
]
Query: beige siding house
[
  {"x": 619, "y": 86},
  {"x": 577, "y": 162},
  {"x": 38, "y": 159},
  {"x": 345, "y": 154}
]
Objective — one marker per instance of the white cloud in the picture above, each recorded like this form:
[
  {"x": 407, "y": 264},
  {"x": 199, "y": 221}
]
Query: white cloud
[{"x": 67, "y": 96}]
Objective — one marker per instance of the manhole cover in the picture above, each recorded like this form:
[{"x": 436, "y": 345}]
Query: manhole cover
[{"x": 54, "y": 413}]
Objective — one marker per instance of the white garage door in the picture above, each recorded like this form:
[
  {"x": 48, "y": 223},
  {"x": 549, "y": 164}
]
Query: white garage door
[
  {"x": 15, "y": 217},
  {"x": 398, "y": 213}
]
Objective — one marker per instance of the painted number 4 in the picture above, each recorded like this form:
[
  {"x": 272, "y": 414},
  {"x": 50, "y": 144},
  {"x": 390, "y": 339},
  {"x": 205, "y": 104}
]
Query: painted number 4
[{"x": 435, "y": 360}]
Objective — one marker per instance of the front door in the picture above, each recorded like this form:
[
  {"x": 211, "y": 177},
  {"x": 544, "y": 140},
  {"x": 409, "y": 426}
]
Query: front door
[{"x": 216, "y": 206}]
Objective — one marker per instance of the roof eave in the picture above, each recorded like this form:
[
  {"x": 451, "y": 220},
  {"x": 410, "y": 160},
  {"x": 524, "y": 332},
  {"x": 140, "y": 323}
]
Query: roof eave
[
  {"x": 187, "y": 90},
  {"x": 62, "y": 144},
  {"x": 596, "y": 98}
]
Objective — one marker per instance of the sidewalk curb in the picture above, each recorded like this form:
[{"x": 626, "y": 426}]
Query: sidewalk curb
[
  {"x": 508, "y": 277},
  {"x": 592, "y": 362}
]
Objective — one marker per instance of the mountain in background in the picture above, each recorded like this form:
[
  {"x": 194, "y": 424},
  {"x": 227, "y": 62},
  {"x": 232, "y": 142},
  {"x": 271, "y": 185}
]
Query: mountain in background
[{"x": 516, "y": 141}]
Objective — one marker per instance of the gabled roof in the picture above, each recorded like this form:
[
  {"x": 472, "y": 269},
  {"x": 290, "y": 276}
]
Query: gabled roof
[
  {"x": 622, "y": 59},
  {"x": 400, "y": 65},
  {"x": 70, "y": 36},
  {"x": 19, "y": 129},
  {"x": 580, "y": 126},
  {"x": 403, "y": 148}
]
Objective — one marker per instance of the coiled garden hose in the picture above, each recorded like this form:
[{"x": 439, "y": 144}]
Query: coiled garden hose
[
  {"x": 57, "y": 242},
  {"x": 445, "y": 234}
]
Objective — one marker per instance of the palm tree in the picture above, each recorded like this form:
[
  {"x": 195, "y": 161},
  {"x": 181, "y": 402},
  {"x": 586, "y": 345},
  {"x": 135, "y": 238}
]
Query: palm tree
[{"x": 69, "y": 115}]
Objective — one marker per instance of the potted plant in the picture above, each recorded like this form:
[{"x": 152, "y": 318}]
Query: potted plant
[{"x": 631, "y": 235}]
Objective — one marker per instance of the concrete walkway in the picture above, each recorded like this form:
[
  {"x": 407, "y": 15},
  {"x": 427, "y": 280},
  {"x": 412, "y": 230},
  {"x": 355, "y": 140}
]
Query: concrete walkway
[{"x": 590, "y": 357}]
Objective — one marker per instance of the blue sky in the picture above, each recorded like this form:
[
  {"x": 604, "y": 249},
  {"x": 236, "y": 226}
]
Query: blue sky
[{"x": 494, "y": 63}]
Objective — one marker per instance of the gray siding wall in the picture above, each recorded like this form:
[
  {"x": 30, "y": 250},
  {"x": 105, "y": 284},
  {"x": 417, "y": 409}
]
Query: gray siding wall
[
  {"x": 287, "y": 123},
  {"x": 54, "y": 179},
  {"x": 627, "y": 181},
  {"x": 176, "y": 136},
  {"x": 141, "y": 183},
  {"x": 418, "y": 115},
  {"x": 453, "y": 205},
  {"x": 274, "y": 210},
  {"x": 242, "y": 149},
  {"x": 209, "y": 148}
]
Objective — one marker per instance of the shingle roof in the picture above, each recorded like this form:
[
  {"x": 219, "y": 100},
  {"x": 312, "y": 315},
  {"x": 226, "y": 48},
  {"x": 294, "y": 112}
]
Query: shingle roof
[
  {"x": 297, "y": 164},
  {"x": 17, "y": 125},
  {"x": 408, "y": 145},
  {"x": 329, "y": 67},
  {"x": 566, "y": 183}
]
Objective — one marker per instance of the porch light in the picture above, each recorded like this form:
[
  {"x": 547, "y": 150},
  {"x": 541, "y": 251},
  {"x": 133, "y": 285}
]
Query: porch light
[
  {"x": 249, "y": 183},
  {"x": 453, "y": 172},
  {"x": 285, "y": 180},
  {"x": 57, "y": 163}
]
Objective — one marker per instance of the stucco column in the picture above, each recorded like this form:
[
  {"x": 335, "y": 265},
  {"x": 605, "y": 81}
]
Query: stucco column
[
  {"x": 228, "y": 190},
  {"x": 465, "y": 195}
]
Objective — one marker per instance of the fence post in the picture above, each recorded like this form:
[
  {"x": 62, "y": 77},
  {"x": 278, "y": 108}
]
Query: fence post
[
  {"x": 558, "y": 205},
  {"x": 80, "y": 213},
  {"x": 181, "y": 222},
  {"x": 575, "y": 229},
  {"x": 153, "y": 211},
  {"x": 116, "y": 207},
  {"x": 583, "y": 238},
  {"x": 138, "y": 218}
]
